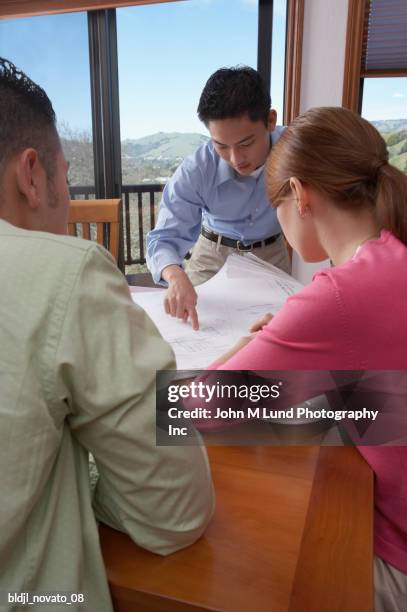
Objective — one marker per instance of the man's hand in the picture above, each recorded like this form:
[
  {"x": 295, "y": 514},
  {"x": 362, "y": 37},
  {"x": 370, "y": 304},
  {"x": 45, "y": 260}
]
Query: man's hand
[
  {"x": 181, "y": 298},
  {"x": 257, "y": 325}
]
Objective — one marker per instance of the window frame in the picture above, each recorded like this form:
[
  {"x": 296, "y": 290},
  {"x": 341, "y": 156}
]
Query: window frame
[
  {"x": 11, "y": 9},
  {"x": 354, "y": 74}
]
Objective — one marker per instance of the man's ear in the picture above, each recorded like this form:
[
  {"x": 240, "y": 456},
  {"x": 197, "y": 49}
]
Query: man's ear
[
  {"x": 31, "y": 177},
  {"x": 272, "y": 120}
]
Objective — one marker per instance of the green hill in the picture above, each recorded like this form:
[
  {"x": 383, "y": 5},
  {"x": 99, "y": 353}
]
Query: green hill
[
  {"x": 397, "y": 147},
  {"x": 394, "y": 132},
  {"x": 163, "y": 145},
  {"x": 394, "y": 138},
  {"x": 390, "y": 125},
  {"x": 154, "y": 158},
  {"x": 400, "y": 161}
]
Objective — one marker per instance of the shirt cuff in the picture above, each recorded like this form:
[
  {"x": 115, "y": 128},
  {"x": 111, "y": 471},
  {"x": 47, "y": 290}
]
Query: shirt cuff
[{"x": 161, "y": 261}]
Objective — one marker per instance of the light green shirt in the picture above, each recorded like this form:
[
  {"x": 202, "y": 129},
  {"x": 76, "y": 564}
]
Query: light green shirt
[{"x": 77, "y": 375}]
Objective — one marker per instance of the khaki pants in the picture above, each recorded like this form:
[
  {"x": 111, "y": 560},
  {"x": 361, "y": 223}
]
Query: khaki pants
[
  {"x": 390, "y": 588},
  {"x": 208, "y": 257}
]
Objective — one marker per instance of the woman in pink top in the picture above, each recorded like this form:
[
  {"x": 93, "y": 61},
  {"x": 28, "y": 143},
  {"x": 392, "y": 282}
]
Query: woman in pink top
[{"x": 337, "y": 197}]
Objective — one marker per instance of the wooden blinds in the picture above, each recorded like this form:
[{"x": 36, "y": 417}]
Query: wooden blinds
[{"x": 384, "y": 50}]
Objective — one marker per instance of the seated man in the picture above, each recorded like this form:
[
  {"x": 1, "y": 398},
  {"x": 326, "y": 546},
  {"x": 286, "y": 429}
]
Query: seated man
[
  {"x": 78, "y": 362},
  {"x": 217, "y": 198}
]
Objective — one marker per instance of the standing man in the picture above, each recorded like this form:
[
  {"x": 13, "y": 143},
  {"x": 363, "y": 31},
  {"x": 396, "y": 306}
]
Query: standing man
[{"x": 217, "y": 198}]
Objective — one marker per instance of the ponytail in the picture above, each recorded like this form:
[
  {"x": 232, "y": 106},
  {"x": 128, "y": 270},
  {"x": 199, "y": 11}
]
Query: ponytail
[{"x": 391, "y": 201}]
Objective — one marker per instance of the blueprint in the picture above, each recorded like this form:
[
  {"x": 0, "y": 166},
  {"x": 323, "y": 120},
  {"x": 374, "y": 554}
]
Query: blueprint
[{"x": 242, "y": 291}]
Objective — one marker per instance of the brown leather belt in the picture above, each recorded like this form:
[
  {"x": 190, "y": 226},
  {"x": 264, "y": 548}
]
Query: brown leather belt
[{"x": 237, "y": 244}]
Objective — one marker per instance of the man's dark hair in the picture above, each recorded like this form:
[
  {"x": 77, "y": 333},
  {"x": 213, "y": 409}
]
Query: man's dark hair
[
  {"x": 27, "y": 119},
  {"x": 233, "y": 92}
]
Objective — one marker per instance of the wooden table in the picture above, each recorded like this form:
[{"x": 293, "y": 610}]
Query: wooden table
[{"x": 292, "y": 532}]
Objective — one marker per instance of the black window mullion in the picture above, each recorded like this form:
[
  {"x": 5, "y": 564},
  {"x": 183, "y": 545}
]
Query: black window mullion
[
  {"x": 360, "y": 101},
  {"x": 105, "y": 106},
  {"x": 264, "y": 40},
  {"x": 97, "y": 123}
]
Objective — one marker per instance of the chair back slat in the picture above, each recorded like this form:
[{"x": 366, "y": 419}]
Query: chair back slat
[
  {"x": 101, "y": 213},
  {"x": 114, "y": 237},
  {"x": 86, "y": 231},
  {"x": 99, "y": 234}
]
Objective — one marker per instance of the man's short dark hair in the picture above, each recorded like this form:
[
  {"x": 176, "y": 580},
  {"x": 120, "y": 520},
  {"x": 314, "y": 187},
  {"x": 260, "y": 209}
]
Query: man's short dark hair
[
  {"x": 234, "y": 92},
  {"x": 27, "y": 119}
]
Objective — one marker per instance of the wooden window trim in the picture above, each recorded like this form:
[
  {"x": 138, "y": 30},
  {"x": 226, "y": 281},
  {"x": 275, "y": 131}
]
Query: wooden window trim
[
  {"x": 353, "y": 55},
  {"x": 376, "y": 74},
  {"x": 293, "y": 59},
  {"x": 10, "y": 9}
]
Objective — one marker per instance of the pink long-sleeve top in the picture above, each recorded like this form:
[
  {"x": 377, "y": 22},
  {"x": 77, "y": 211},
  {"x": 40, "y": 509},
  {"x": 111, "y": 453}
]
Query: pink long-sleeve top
[{"x": 354, "y": 317}]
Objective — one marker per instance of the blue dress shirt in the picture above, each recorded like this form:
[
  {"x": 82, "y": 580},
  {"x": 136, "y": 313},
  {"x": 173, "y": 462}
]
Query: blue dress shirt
[{"x": 206, "y": 190}]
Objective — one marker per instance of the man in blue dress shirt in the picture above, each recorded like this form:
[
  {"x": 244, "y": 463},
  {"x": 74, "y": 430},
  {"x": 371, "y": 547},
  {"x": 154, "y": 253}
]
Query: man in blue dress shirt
[{"x": 216, "y": 199}]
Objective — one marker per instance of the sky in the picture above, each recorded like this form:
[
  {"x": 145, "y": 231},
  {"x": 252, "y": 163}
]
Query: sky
[
  {"x": 166, "y": 53},
  {"x": 385, "y": 98}
]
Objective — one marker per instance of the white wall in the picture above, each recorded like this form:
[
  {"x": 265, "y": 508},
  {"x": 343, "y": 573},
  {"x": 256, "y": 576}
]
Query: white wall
[
  {"x": 323, "y": 53},
  {"x": 323, "y": 57}
]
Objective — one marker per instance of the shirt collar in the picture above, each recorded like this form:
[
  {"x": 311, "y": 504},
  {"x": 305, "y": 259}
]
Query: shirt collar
[
  {"x": 224, "y": 172},
  {"x": 256, "y": 173}
]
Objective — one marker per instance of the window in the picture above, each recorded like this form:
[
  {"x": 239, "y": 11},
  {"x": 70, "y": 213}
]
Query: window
[
  {"x": 385, "y": 105},
  {"x": 375, "y": 80},
  {"x": 53, "y": 51},
  {"x": 166, "y": 52}
]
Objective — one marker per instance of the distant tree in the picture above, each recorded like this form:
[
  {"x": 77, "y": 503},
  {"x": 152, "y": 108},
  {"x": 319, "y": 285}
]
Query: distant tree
[
  {"x": 396, "y": 137},
  {"x": 136, "y": 165},
  {"x": 78, "y": 149},
  {"x": 403, "y": 148}
]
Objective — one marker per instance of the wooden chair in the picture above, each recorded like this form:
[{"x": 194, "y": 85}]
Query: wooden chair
[{"x": 98, "y": 213}]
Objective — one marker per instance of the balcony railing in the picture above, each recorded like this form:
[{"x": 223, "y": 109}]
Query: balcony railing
[{"x": 140, "y": 205}]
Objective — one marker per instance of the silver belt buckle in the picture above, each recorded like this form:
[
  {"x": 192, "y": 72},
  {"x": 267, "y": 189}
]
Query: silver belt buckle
[{"x": 241, "y": 247}]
